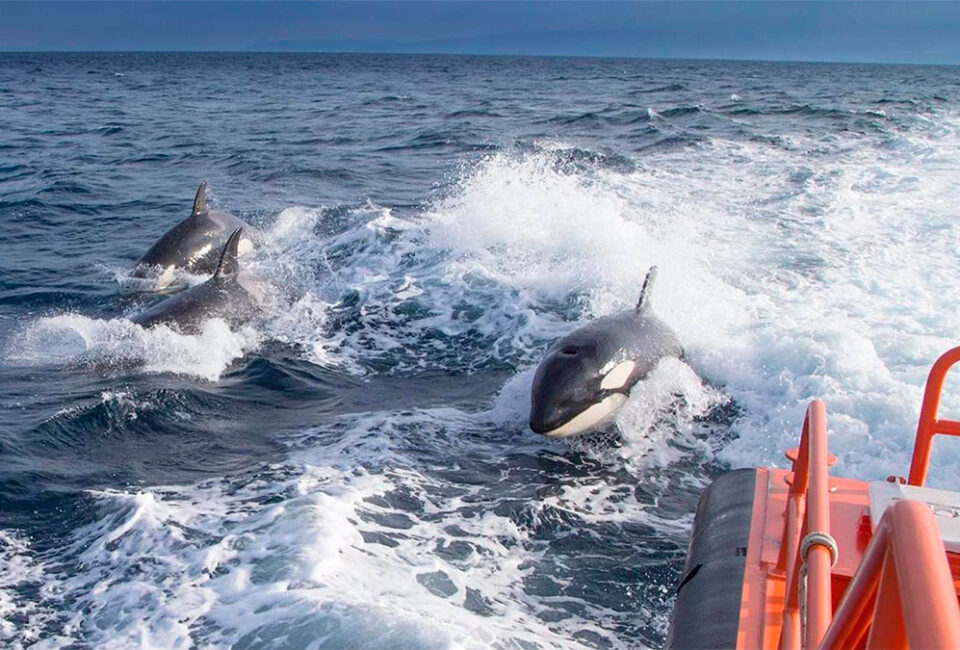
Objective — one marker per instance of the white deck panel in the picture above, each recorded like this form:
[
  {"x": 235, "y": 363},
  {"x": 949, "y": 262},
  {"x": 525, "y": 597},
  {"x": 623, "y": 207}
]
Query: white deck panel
[{"x": 944, "y": 504}]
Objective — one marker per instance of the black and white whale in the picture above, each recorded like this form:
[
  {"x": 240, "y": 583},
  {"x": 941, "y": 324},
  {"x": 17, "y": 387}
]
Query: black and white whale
[
  {"x": 231, "y": 294},
  {"x": 192, "y": 245},
  {"x": 587, "y": 375}
]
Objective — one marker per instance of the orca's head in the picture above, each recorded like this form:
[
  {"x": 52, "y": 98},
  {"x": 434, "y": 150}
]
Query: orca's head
[{"x": 576, "y": 389}]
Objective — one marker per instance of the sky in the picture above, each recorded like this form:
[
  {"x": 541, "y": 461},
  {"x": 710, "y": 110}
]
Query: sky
[{"x": 895, "y": 31}]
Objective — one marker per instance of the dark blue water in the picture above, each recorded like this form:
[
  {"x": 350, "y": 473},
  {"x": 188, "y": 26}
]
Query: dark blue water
[{"x": 354, "y": 469}]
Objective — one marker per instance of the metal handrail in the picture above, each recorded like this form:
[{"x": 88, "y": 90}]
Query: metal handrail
[
  {"x": 929, "y": 425},
  {"x": 903, "y": 591},
  {"x": 808, "y": 502},
  {"x": 905, "y": 576}
]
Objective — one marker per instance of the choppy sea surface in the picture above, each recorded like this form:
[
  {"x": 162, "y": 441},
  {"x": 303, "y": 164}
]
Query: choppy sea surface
[{"x": 354, "y": 468}]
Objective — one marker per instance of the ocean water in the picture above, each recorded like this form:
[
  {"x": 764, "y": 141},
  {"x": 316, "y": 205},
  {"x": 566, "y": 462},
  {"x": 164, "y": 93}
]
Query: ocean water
[{"x": 354, "y": 469}]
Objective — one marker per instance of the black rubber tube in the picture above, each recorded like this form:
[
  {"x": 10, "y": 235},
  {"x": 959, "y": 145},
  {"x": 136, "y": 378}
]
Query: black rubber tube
[{"x": 707, "y": 609}]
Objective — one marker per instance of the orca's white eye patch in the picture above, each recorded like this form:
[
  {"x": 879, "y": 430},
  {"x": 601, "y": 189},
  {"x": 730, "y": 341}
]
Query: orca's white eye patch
[{"x": 618, "y": 376}]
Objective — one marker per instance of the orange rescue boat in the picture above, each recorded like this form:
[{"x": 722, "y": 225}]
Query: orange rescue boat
[{"x": 798, "y": 559}]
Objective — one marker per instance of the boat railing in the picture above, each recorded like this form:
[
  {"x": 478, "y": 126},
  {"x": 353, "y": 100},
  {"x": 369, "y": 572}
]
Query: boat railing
[
  {"x": 808, "y": 551},
  {"x": 903, "y": 591},
  {"x": 929, "y": 424},
  {"x": 902, "y": 594}
]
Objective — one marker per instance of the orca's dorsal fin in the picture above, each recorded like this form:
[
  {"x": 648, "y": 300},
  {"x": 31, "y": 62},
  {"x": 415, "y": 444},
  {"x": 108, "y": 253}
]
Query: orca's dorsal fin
[
  {"x": 229, "y": 266},
  {"x": 644, "y": 302},
  {"x": 200, "y": 200}
]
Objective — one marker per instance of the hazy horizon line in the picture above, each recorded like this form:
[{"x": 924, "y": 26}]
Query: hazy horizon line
[{"x": 627, "y": 57}]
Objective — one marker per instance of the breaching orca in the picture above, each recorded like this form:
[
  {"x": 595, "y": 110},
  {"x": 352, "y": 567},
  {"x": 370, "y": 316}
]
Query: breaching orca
[
  {"x": 587, "y": 375},
  {"x": 230, "y": 294},
  {"x": 194, "y": 244}
]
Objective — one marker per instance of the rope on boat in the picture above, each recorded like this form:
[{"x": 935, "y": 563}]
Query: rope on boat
[{"x": 816, "y": 538}]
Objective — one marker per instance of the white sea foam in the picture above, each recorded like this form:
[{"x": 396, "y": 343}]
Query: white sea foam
[
  {"x": 75, "y": 339},
  {"x": 345, "y": 544},
  {"x": 21, "y": 619}
]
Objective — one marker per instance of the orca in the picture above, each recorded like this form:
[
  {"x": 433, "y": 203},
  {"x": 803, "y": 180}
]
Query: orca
[
  {"x": 231, "y": 294},
  {"x": 194, "y": 244},
  {"x": 586, "y": 376}
]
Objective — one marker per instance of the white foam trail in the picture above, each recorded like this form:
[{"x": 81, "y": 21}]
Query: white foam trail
[
  {"x": 345, "y": 544},
  {"x": 75, "y": 339},
  {"x": 661, "y": 414},
  {"x": 21, "y": 619}
]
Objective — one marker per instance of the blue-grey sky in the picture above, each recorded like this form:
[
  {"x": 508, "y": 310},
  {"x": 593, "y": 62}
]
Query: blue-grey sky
[{"x": 807, "y": 30}]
